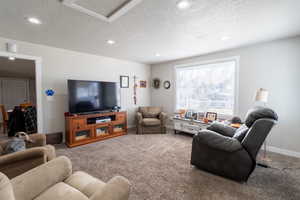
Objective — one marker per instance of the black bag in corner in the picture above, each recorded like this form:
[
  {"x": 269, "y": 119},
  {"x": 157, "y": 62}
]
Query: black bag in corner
[{"x": 16, "y": 122}]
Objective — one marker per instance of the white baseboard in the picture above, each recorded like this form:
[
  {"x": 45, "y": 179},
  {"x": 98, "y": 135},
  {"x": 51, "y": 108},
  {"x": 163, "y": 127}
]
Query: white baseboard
[{"x": 283, "y": 151}]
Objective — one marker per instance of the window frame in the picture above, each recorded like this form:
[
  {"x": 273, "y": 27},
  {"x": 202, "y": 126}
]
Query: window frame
[{"x": 236, "y": 59}]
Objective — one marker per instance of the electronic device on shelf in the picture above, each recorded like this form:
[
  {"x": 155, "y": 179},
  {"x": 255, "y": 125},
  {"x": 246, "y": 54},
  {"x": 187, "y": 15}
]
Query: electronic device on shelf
[{"x": 102, "y": 120}]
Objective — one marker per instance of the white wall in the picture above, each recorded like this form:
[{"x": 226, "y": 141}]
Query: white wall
[
  {"x": 58, "y": 65},
  {"x": 274, "y": 66}
]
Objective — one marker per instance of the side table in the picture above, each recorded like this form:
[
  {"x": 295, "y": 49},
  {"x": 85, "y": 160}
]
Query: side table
[{"x": 188, "y": 125}]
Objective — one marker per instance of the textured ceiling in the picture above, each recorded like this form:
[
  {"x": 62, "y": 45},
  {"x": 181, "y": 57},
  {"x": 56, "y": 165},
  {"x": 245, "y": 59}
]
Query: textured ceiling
[
  {"x": 18, "y": 68},
  {"x": 153, "y": 26}
]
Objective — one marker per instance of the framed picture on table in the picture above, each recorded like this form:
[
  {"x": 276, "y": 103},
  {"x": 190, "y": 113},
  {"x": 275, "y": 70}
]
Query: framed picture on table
[
  {"x": 211, "y": 116},
  {"x": 189, "y": 114},
  {"x": 200, "y": 116}
]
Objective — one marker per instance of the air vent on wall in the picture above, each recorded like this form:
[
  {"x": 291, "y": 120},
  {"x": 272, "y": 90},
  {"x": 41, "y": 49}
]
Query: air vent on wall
[{"x": 106, "y": 10}]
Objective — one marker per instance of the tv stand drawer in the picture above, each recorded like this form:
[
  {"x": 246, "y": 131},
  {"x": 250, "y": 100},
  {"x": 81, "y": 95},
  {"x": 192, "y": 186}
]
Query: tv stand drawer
[
  {"x": 121, "y": 116},
  {"x": 79, "y": 123}
]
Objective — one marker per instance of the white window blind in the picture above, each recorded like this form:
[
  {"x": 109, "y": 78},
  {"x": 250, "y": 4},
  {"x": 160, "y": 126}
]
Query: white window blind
[{"x": 207, "y": 87}]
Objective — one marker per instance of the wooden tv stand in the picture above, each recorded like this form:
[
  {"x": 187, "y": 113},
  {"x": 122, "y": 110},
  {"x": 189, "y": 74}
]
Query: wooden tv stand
[{"x": 83, "y": 129}]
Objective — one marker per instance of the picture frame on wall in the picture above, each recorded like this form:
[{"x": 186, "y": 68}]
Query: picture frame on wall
[
  {"x": 124, "y": 81},
  {"x": 167, "y": 85},
  {"x": 143, "y": 84},
  {"x": 211, "y": 116}
]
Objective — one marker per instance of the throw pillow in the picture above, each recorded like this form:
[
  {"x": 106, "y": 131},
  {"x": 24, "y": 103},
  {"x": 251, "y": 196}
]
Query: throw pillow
[
  {"x": 18, "y": 143},
  {"x": 241, "y": 133},
  {"x": 15, "y": 145}
]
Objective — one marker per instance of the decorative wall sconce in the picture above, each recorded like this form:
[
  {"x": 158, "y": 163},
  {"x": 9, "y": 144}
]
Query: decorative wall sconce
[
  {"x": 156, "y": 83},
  {"x": 167, "y": 84},
  {"x": 49, "y": 94}
]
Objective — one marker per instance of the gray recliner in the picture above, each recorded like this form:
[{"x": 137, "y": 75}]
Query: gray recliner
[{"x": 231, "y": 152}]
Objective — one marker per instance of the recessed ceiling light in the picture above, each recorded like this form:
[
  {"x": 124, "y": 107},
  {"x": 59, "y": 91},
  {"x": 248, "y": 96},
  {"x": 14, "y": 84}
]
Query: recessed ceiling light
[
  {"x": 34, "y": 20},
  {"x": 157, "y": 55},
  {"x": 183, "y": 4},
  {"x": 11, "y": 58},
  {"x": 224, "y": 38},
  {"x": 111, "y": 42}
]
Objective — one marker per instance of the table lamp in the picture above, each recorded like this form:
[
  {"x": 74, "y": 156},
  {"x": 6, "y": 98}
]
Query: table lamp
[{"x": 262, "y": 96}]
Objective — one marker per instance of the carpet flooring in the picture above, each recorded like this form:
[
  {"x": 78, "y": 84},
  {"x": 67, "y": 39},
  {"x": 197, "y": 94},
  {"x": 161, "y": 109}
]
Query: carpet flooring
[{"x": 158, "y": 167}]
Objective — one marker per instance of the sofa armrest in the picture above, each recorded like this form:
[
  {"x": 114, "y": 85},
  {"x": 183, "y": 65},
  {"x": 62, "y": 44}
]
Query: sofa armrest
[
  {"x": 222, "y": 129},
  {"x": 38, "y": 140},
  {"x": 163, "y": 118},
  {"x": 139, "y": 117},
  {"x": 6, "y": 190},
  {"x": 30, "y": 184},
  {"x": 50, "y": 152},
  {"x": 117, "y": 188},
  {"x": 217, "y": 141},
  {"x": 22, "y": 155}
]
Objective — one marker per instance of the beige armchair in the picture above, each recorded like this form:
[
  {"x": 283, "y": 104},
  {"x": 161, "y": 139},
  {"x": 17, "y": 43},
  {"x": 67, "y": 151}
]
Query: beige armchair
[
  {"x": 36, "y": 153},
  {"x": 151, "y": 120},
  {"x": 54, "y": 180}
]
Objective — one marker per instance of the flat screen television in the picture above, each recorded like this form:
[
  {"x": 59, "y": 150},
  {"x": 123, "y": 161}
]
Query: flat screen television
[{"x": 92, "y": 96}]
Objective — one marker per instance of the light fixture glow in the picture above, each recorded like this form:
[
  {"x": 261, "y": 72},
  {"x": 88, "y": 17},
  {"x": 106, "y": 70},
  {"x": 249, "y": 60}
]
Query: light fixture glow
[
  {"x": 33, "y": 20},
  {"x": 11, "y": 58},
  {"x": 111, "y": 42},
  {"x": 224, "y": 38},
  {"x": 157, "y": 55},
  {"x": 183, "y": 4}
]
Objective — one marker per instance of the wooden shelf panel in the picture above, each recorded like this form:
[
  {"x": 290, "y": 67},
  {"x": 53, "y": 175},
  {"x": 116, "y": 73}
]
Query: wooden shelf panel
[{"x": 95, "y": 139}]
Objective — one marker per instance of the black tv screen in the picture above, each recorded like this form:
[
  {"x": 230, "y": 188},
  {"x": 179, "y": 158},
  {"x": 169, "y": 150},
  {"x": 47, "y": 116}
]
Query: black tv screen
[{"x": 92, "y": 96}]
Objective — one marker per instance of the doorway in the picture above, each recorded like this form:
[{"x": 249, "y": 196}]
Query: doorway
[{"x": 20, "y": 85}]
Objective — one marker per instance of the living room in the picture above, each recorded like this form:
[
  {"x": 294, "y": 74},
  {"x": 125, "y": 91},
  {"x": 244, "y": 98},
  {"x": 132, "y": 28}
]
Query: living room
[{"x": 244, "y": 54}]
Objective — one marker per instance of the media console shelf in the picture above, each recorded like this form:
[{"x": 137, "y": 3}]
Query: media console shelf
[{"x": 84, "y": 129}]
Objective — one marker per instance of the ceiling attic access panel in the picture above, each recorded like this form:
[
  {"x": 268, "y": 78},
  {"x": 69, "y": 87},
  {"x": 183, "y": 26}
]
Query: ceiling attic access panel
[{"x": 106, "y": 10}]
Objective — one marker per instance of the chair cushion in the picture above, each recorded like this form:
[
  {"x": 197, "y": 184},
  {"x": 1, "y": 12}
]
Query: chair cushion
[
  {"x": 258, "y": 113},
  {"x": 150, "y": 112},
  {"x": 241, "y": 132},
  {"x": 151, "y": 122},
  {"x": 61, "y": 191},
  {"x": 85, "y": 183}
]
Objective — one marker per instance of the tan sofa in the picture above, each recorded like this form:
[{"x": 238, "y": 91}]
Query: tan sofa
[
  {"x": 36, "y": 153},
  {"x": 151, "y": 120},
  {"x": 54, "y": 180}
]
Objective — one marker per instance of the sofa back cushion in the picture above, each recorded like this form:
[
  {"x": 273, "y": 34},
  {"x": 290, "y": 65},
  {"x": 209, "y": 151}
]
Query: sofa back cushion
[{"x": 150, "y": 111}]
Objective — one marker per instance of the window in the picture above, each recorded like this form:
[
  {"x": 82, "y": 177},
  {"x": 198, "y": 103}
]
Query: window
[{"x": 207, "y": 87}]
